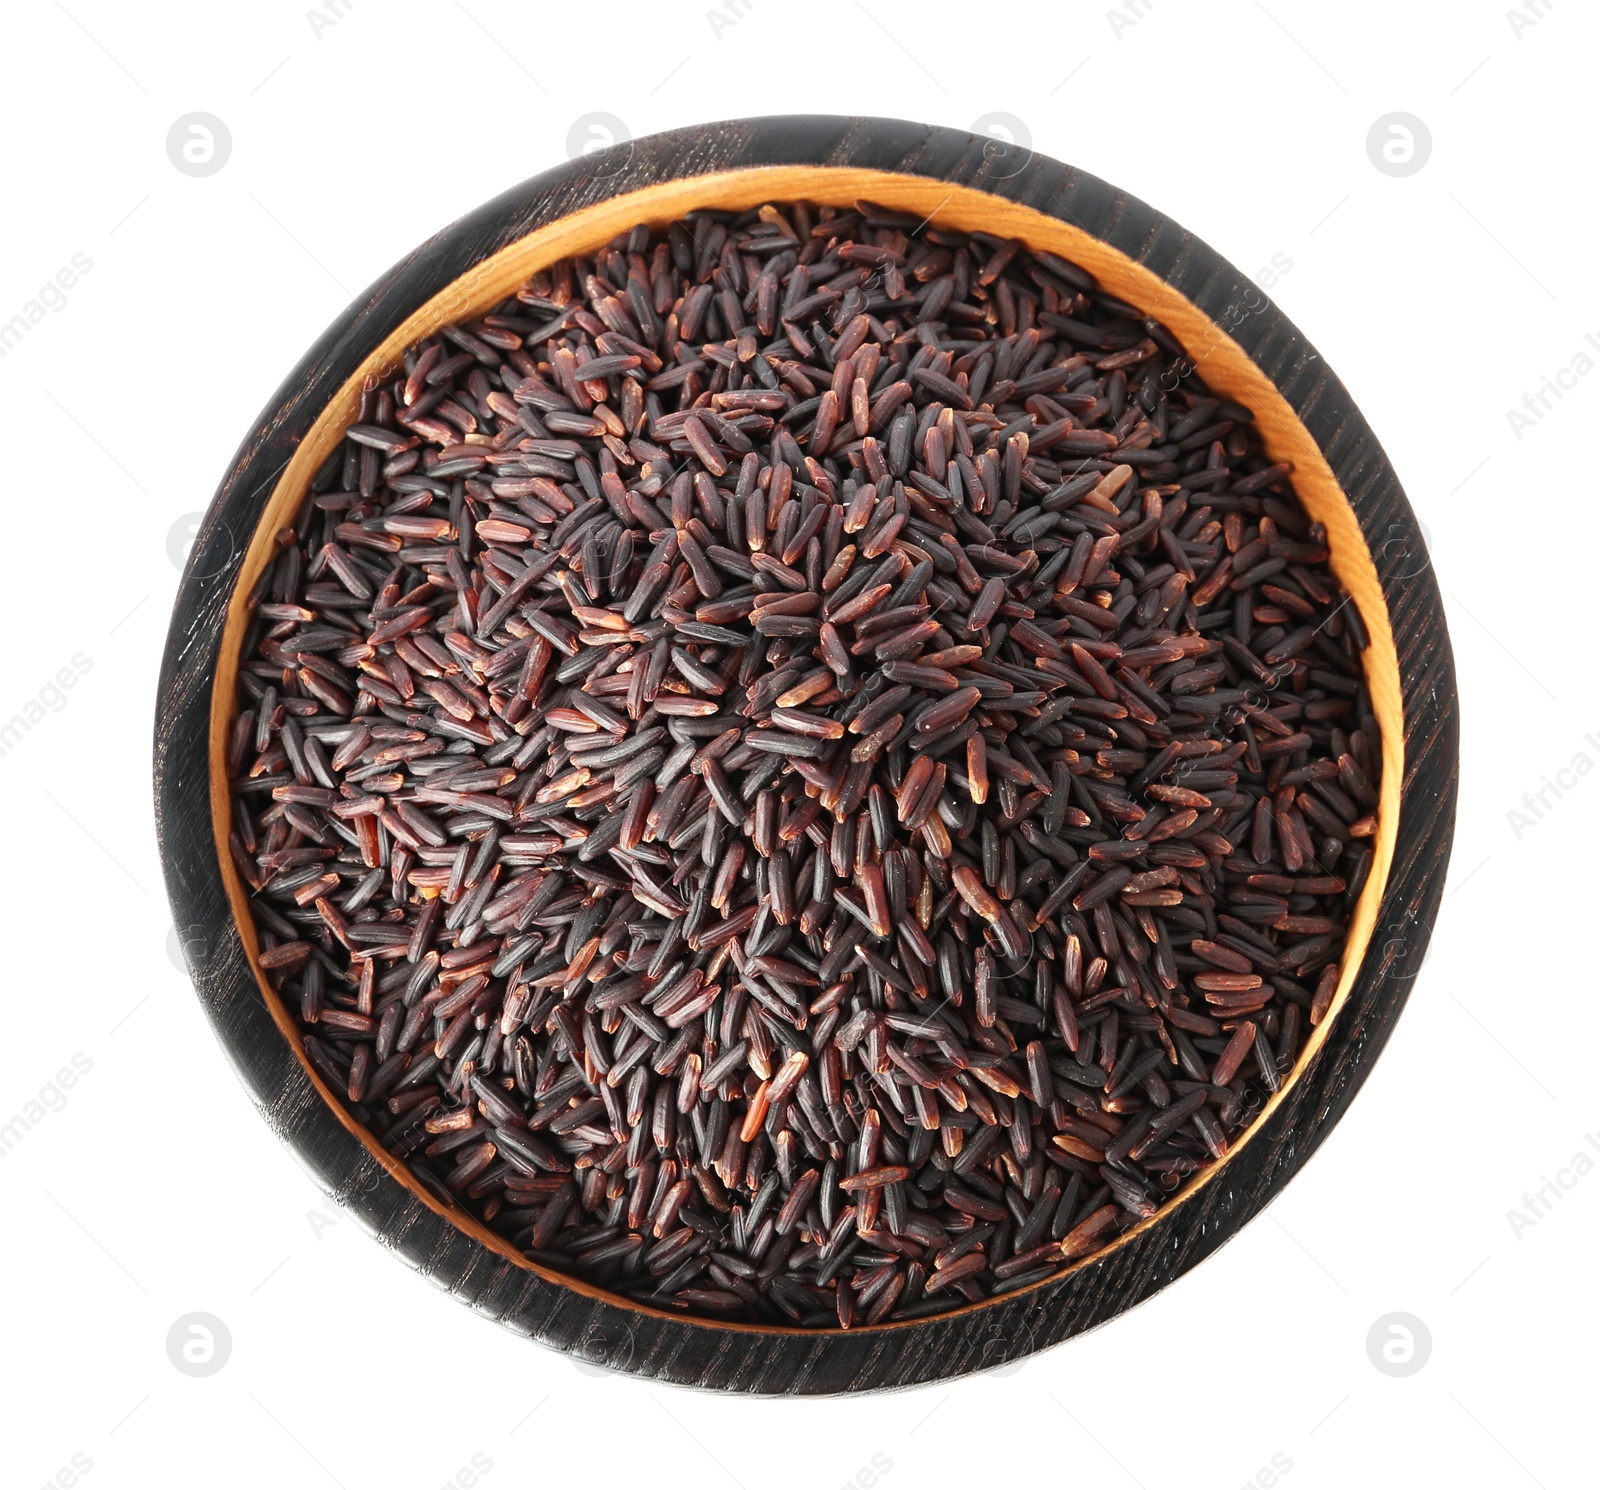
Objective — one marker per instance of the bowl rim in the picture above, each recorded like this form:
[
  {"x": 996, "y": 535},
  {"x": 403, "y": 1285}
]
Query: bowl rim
[{"x": 472, "y": 265}]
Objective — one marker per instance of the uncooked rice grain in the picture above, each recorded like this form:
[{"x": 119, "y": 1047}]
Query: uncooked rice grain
[{"x": 803, "y": 768}]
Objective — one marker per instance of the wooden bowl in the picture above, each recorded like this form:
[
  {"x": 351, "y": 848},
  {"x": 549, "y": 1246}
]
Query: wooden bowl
[{"x": 1249, "y": 352}]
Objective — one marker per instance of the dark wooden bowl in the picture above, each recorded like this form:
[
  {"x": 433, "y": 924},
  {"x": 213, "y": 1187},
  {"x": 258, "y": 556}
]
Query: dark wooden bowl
[{"x": 1248, "y": 351}]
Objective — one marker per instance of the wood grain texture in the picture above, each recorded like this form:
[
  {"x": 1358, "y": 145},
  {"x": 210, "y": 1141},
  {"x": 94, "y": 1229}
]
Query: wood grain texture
[{"x": 1247, "y": 349}]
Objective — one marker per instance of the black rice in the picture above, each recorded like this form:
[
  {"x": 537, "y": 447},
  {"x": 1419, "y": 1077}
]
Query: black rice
[{"x": 803, "y": 769}]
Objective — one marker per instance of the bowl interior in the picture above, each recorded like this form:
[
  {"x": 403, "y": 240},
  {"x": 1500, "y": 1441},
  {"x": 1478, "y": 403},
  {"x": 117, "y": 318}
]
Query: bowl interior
[{"x": 1223, "y": 365}]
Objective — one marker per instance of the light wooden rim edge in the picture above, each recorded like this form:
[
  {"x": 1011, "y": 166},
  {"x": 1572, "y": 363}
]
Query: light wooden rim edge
[{"x": 1227, "y": 369}]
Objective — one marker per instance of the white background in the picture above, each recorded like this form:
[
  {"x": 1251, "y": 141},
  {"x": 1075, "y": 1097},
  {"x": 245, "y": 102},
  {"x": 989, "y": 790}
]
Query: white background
[{"x": 1441, "y": 298}]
